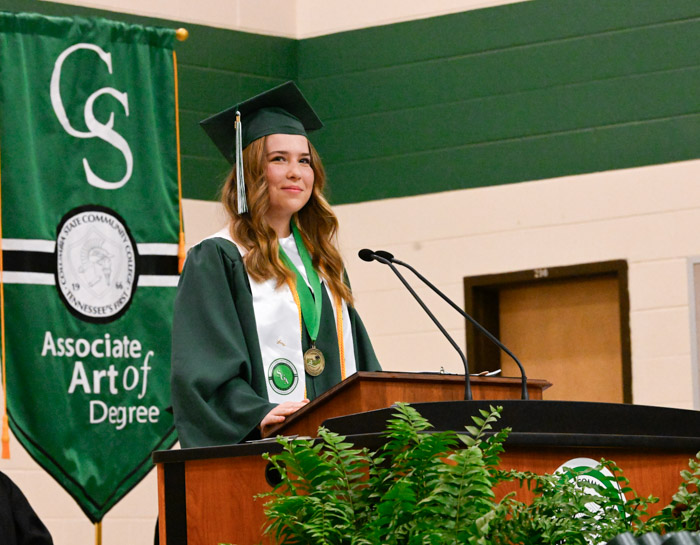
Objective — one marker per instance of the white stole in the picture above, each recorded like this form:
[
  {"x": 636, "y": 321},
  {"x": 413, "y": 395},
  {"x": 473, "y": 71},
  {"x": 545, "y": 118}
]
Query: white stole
[{"x": 279, "y": 329}]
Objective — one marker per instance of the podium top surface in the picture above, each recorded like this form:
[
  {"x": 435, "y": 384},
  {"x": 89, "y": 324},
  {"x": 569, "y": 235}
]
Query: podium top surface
[{"x": 383, "y": 388}]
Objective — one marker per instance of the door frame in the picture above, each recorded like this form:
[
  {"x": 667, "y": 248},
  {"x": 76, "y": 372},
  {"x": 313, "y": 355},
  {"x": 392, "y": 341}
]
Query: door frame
[
  {"x": 693, "y": 304},
  {"x": 481, "y": 300}
]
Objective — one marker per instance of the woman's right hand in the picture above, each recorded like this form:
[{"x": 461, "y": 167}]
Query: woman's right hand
[{"x": 278, "y": 414}]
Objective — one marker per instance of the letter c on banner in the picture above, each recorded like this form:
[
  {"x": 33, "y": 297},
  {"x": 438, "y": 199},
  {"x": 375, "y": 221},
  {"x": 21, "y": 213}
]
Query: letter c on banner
[{"x": 97, "y": 130}]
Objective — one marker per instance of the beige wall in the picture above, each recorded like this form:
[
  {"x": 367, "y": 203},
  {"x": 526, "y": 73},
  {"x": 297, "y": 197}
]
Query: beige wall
[
  {"x": 289, "y": 18},
  {"x": 272, "y": 17},
  {"x": 318, "y": 17},
  {"x": 648, "y": 216}
]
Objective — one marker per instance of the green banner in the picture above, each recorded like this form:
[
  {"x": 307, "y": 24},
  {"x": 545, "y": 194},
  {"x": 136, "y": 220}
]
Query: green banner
[{"x": 90, "y": 231}]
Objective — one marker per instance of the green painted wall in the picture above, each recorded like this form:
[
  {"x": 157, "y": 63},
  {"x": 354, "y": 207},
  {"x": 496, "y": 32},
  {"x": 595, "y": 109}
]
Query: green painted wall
[{"x": 519, "y": 92}]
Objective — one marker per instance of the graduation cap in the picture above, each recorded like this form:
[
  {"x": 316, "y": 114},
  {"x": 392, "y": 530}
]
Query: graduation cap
[{"x": 281, "y": 110}]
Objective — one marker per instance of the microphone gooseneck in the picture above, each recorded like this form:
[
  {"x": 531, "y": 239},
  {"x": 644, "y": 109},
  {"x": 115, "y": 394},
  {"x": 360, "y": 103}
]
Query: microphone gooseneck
[
  {"x": 482, "y": 329},
  {"x": 369, "y": 255}
]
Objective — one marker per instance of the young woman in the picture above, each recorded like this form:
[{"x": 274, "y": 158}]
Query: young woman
[{"x": 263, "y": 316}]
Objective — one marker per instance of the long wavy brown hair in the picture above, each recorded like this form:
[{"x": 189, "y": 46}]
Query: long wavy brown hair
[{"x": 316, "y": 221}]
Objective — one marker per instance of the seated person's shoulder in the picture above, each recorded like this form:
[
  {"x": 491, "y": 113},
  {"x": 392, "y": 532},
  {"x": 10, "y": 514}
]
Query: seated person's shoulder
[{"x": 19, "y": 524}]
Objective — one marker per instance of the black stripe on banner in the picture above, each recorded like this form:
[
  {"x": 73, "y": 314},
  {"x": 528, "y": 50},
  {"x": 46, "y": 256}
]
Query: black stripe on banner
[
  {"x": 25, "y": 261},
  {"x": 157, "y": 264},
  {"x": 44, "y": 262}
]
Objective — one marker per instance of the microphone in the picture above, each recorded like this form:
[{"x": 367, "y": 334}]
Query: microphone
[
  {"x": 368, "y": 255},
  {"x": 477, "y": 325},
  {"x": 385, "y": 255}
]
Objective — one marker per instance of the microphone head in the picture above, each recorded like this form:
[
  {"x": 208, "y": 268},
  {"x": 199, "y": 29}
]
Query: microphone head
[
  {"x": 385, "y": 255},
  {"x": 366, "y": 254}
]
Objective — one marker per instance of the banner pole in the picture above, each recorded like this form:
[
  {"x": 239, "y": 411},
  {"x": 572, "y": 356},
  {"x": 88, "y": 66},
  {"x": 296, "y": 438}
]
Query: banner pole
[
  {"x": 181, "y": 34},
  {"x": 98, "y": 533}
]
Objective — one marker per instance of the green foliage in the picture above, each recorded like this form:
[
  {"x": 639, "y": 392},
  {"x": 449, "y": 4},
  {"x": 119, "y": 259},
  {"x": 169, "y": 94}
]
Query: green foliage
[
  {"x": 323, "y": 494},
  {"x": 683, "y": 513},
  {"x": 436, "y": 488},
  {"x": 573, "y": 507},
  {"x": 419, "y": 488}
]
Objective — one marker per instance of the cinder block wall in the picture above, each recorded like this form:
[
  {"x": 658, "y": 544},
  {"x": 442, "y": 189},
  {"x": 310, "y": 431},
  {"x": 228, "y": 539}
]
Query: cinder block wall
[{"x": 524, "y": 135}]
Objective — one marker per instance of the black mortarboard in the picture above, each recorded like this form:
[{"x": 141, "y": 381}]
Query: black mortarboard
[{"x": 281, "y": 110}]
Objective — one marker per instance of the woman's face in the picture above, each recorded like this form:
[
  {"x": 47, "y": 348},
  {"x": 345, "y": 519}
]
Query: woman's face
[{"x": 289, "y": 176}]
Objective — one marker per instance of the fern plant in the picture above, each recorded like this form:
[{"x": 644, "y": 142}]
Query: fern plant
[
  {"x": 683, "y": 513},
  {"x": 323, "y": 494},
  {"x": 436, "y": 488},
  {"x": 573, "y": 508},
  {"x": 434, "y": 492},
  {"x": 419, "y": 488}
]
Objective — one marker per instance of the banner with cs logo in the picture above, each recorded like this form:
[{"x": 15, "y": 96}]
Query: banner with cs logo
[{"x": 90, "y": 232}]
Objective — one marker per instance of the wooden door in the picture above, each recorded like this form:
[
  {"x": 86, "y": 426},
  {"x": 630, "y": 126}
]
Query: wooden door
[
  {"x": 568, "y": 325},
  {"x": 568, "y": 332}
]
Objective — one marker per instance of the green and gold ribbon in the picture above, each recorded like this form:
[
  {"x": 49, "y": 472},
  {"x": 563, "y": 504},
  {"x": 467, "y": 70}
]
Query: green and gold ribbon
[{"x": 310, "y": 299}]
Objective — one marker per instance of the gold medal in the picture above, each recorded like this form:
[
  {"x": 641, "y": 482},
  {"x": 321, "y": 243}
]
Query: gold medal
[{"x": 314, "y": 362}]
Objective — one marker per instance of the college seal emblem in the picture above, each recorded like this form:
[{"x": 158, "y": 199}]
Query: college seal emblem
[
  {"x": 96, "y": 257},
  {"x": 282, "y": 376},
  {"x": 602, "y": 477}
]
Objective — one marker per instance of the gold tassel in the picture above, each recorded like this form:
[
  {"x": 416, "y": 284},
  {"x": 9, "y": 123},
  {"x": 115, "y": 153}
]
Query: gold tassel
[
  {"x": 181, "y": 243},
  {"x": 5, "y": 438},
  {"x": 181, "y": 253}
]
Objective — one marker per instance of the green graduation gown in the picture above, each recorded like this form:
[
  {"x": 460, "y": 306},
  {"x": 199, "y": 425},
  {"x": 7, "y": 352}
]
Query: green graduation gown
[{"x": 219, "y": 390}]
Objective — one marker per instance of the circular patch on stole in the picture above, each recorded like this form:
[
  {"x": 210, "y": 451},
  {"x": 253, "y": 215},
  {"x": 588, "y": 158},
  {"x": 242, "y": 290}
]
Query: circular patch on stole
[{"x": 282, "y": 376}]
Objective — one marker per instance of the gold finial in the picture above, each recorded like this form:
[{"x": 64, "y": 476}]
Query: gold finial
[{"x": 181, "y": 34}]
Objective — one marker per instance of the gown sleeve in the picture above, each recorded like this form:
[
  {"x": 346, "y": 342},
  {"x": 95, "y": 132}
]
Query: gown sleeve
[
  {"x": 218, "y": 393},
  {"x": 364, "y": 353}
]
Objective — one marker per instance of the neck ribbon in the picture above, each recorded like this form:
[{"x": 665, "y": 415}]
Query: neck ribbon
[{"x": 310, "y": 300}]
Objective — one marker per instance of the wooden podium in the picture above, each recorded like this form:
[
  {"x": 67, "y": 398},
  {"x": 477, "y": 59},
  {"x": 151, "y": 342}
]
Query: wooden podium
[
  {"x": 367, "y": 391},
  {"x": 650, "y": 444},
  {"x": 206, "y": 495}
]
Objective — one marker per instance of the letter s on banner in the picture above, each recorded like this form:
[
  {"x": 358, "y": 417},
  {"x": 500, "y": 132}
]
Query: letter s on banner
[
  {"x": 106, "y": 133},
  {"x": 97, "y": 129}
]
